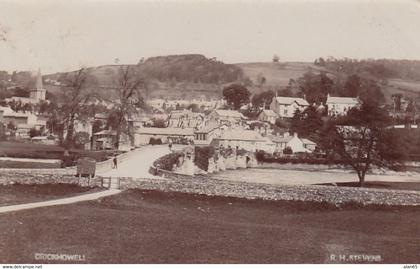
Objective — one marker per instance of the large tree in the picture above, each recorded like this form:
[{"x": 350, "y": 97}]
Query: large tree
[
  {"x": 127, "y": 99},
  {"x": 362, "y": 138},
  {"x": 262, "y": 99},
  {"x": 75, "y": 93},
  {"x": 236, "y": 95},
  {"x": 315, "y": 87}
]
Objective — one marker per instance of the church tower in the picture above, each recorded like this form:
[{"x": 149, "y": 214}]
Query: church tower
[{"x": 38, "y": 93}]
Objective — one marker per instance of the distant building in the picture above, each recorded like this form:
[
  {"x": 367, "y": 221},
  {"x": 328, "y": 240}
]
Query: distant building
[
  {"x": 242, "y": 139},
  {"x": 294, "y": 142},
  {"x": 204, "y": 136},
  {"x": 185, "y": 119},
  {"x": 224, "y": 116},
  {"x": 339, "y": 106},
  {"x": 142, "y": 136},
  {"x": 285, "y": 107},
  {"x": 268, "y": 116}
]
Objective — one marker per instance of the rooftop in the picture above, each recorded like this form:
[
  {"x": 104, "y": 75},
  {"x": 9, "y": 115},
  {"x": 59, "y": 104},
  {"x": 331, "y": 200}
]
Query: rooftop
[
  {"x": 165, "y": 131},
  {"x": 290, "y": 100},
  {"x": 342, "y": 100}
]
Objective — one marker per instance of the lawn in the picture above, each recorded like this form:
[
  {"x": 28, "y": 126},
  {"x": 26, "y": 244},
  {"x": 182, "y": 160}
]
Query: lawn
[
  {"x": 20, "y": 193},
  {"x": 154, "y": 227}
]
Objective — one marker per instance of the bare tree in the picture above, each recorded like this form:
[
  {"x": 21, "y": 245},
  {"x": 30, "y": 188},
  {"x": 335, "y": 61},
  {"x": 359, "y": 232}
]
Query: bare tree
[
  {"x": 127, "y": 99},
  {"x": 75, "y": 94}
]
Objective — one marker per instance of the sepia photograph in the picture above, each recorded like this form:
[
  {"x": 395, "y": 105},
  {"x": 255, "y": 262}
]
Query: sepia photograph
[{"x": 209, "y": 132}]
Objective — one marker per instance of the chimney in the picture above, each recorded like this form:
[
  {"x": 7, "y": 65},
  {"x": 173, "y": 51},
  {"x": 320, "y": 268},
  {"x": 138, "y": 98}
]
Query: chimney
[
  {"x": 295, "y": 134},
  {"x": 286, "y": 134}
]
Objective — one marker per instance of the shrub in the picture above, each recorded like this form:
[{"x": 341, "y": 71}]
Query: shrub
[
  {"x": 260, "y": 156},
  {"x": 287, "y": 150},
  {"x": 167, "y": 162},
  {"x": 202, "y": 156},
  {"x": 155, "y": 141}
]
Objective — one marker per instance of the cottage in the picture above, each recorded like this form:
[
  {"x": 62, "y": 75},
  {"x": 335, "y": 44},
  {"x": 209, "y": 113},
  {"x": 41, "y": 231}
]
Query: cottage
[
  {"x": 293, "y": 142},
  {"x": 242, "y": 139},
  {"x": 228, "y": 117},
  {"x": 339, "y": 106},
  {"x": 268, "y": 115},
  {"x": 142, "y": 136},
  {"x": 204, "y": 136},
  {"x": 285, "y": 107}
]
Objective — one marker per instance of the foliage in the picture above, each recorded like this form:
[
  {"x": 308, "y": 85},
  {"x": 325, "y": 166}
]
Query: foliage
[
  {"x": 80, "y": 139},
  {"x": 287, "y": 150},
  {"x": 34, "y": 132},
  {"x": 236, "y": 95},
  {"x": 307, "y": 123},
  {"x": 159, "y": 123},
  {"x": 262, "y": 99},
  {"x": 167, "y": 162},
  {"x": 315, "y": 87},
  {"x": 155, "y": 141},
  {"x": 202, "y": 156},
  {"x": 192, "y": 68},
  {"x": 362, "y": 138}
]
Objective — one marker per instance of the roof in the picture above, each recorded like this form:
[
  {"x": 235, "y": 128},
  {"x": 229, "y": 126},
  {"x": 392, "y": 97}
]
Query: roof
[
  {"x": 105, "y": 132},
  {"x": 209, "y": 128},
  {"x": 290, "y": 100},
  {"x": 342, "y": 100},
  {"x": 307, "y": 141},
  {"x": 229, "y": 113},
  {"x": 269, "y": 113},
  {"x": 182, "y": 113},
  {"x": 281, "y": 139},
  {"x": 244, "y": 135},
  {"x": 165, "y": 131}
]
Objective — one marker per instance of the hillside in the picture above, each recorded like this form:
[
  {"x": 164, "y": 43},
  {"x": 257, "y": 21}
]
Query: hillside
[{"x": 195, "y": 76}]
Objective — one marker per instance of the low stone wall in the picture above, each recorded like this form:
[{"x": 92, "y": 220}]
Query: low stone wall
[
  {"x": 314, "y": 193},
  {"x": 45, "y": 176}
]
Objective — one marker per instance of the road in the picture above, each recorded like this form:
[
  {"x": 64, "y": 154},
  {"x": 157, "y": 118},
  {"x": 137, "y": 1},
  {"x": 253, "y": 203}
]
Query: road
[{"x": 137, "y": 165}]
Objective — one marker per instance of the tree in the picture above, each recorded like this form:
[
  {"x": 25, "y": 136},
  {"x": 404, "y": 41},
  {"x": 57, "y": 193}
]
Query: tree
[
  {"x": 361, "y": 140},
  {"x": 315, "y": 87},
  {"x": 127, "y": 99},
  {"x": 262, "y": 99},
  {"x": 276, "y": 58},
  {"x": 97, "y": 126},
  {"x": 159, "y": 123},
  {"x": 74, "y": 95},
  {"x": 236, "y": 95},
  {"x": 307, "y": 123},
  {"x": 81, "y": 139},
  {"x": 34, "y": 132}
]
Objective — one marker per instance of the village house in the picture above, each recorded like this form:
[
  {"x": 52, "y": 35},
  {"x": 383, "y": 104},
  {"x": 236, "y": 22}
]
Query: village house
[
  {"x": 106, "y": 140},
  {"x": 142, "y": 136},
  {"x": 204, "y": 136},
  {"x": 185, "y": 119},
  {"x": 23, "y": 122},
  {"x": 224, "y": 116},
  {"x": 295, "y": 143},
  {"x": 267, "y": 115},
  {"x": 339, "y": 106},
  {"x": 242, "y": 139},
  {"x": 285, "y": 107}
]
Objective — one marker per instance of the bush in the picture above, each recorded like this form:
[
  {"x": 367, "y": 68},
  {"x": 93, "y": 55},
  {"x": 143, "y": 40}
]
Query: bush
[
  {"x": 287, "y": 150},
  {"x": 167, "y": 162},
  {"x": 155, "y": 141},
  {"x": 260, "y": 156},
  {"x": 202, "y": 156}
]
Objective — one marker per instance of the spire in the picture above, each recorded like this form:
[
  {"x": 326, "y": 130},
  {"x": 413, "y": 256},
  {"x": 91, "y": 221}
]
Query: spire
[{"x": 39, "y": 80}]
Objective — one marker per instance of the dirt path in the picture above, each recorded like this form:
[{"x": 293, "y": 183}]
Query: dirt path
[{"x": 64, "y": 201}]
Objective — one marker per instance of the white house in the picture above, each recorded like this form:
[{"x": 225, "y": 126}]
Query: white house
[
  {"x": 243, "y": 139},
  {"x": 339, "y": 106},
  {"x": 285, "y": 107},
  {"x": 294, "y": 142},
  {"x": 268, "y": 115},
  {"x": 204, "y": 136}
]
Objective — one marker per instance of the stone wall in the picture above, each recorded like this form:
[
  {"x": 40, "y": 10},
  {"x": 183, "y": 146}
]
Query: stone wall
[
  {"x": 329, "y": 194},
  {"x": 45, "y": 176}
]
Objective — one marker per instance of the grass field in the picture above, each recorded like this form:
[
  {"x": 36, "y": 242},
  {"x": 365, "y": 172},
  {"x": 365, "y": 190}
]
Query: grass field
[
  {"x": 153, "y": 227},
  {"x": 20, "y": 194}
]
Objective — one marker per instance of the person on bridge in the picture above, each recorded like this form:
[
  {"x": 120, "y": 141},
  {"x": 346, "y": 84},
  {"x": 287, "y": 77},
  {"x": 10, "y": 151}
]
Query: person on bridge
[{"x": 115, "y": 162}]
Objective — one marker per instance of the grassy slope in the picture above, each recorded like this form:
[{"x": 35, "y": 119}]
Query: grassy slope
[
  {"x": 155, "y": 227},
  {"x": 277, "y": 74}
]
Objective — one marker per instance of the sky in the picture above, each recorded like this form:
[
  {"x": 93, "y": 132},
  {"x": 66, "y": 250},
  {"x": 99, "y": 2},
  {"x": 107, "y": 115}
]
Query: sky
[{"x": 65, "y": 35}]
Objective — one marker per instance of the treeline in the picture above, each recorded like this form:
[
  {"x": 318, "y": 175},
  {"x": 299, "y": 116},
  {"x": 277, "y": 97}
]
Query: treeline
[
  {"x": 192, "y": 68},
  {"x": 379, "y": 69}
]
